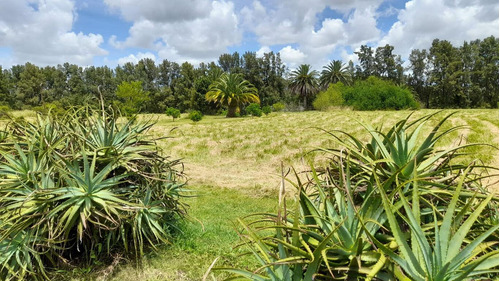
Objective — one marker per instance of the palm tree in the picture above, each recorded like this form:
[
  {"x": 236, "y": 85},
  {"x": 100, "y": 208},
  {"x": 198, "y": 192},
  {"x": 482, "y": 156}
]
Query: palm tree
[
  {"x": 232, "y": 90},
  {"x": 304, "y": 82},
  {"x": 334, "y": 72}
]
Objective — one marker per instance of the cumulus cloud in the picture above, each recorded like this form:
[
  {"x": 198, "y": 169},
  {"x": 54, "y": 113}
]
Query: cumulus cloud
[
  {"x": 40, "y": 32},
  {"x": 136, "y": 58},
  {"x": 296, "y": 22},
  {"x": 198, "y": 37},
  {"x": 457, "y": 21},
  {"x": 292, "y": 57}
]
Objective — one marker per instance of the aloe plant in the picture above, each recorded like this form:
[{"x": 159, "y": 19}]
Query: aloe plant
[
  {"x": 84, "y": 186},
  {"x": 442, "y": 252}
]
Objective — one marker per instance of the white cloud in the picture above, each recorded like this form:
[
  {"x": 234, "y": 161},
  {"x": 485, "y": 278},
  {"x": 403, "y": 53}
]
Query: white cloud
[
  {"x": 457, "y": 21},
  {"x": 199, "y": 37},
  {"x": 263, "y": 50},
  {"x": 295, "y": 22},
  {"x": 292, "y": 57},
  {"x": 40, "y": 32},
  {"x": 136, "y": 58}
]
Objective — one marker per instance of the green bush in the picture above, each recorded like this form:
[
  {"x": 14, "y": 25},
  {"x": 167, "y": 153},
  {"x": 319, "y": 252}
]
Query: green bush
[
  {"x": 82, "y": 188},
  {"x": 332, "y": 97},
  {"x": 254, "y": 110},
  {"x": 54, "y": 108},
  {"x": 279, "y": 106},
  {"x": 377, "y": 94},
  {"x": 173, "y": 112},
  {"x": 266, "y": 109},
  {"x": 195, "y": 115}
]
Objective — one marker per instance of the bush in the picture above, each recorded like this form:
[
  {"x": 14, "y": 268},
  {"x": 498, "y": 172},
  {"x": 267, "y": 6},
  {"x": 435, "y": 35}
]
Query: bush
[
  {"x": 254, "y": 110},
  {"x": 377, "y": 94},
  {"x": 195, "y": 115},
  {"x": 266, "y": 109},
  {"x": 90, "y": 188},
  {"x": 54, "y": 108},
  {"x": 332, "y": 97},
  {"x": 278, "y": 107},
  {"x": 173, "y": 112}
]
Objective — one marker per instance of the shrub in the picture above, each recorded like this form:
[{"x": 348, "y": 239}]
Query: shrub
[
  {"x": 195, "y": 115},
  {"x": 332, "y": 97},
  {"x": 173, "y": 112},
  {"x": 254, "y": 110},
  {"x": 266, "y": 109},
  {"x": 377, "y": 94},
  {"x": 278, "y": 106},
  {"x": 79, "y": 188}
]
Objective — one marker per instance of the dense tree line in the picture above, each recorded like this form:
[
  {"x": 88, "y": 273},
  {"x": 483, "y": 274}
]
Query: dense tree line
[{"x": 443, "y": 76}]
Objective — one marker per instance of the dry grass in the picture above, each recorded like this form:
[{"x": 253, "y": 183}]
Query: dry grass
[{"x": 245, "y": 153}]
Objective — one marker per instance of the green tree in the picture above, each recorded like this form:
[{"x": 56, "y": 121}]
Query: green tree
[
  {"x": 30, "y": 85},
  {"x": 367, "y": 65},
  {"x": 131, "y": 97},
  {"x": 304, "y": 82},
  {"x": 418, "y": 79},
  {"x": 173, "y": 112},
  {"x": 334, "y": 72},
  {"x": 232, "y": 91}
]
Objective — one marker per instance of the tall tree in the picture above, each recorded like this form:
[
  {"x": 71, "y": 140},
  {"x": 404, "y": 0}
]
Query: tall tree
[
  {"x": 445, "y": 61},
  {"x": 304, "y": 82},
  {"x": 334, "y": 72},
  {"x": 418, "y": 79},
  {"x": 488, "y": 52},
  {"x": 232, "y": 91},
  {"x": 367, "y": 66},
  {"x": 30, "y": 85}
]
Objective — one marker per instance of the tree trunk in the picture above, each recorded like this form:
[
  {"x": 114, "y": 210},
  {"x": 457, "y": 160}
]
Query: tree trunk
[{"x": 232, "y": 109}]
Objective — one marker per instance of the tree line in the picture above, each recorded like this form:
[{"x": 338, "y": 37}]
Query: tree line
[{"x": 443, "y": 76}]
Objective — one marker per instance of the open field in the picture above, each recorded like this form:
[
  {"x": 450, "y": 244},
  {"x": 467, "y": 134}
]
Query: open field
[
  {"x": 233, "y": 164},
  {"x": 245, "y": 153}
]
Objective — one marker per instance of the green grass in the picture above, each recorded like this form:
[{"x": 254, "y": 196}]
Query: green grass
[{"x": 208, "y": 233}]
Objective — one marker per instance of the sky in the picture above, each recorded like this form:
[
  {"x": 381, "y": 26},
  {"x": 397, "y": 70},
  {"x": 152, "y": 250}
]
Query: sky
[{"x": 113, "y": 32}]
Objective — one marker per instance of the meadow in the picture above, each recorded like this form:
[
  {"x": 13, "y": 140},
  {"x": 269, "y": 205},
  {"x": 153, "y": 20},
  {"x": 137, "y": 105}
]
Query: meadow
[{"x": 233, "y": 169}]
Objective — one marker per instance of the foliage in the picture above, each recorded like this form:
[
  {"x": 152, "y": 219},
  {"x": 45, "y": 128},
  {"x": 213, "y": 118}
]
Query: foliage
[
  {"x": 195, "y": 115},
  {"x": 334, "y": 72},
  {"x": 303, "y": 81},
  {"x": 279, "y": 106},
  {"x": 82, "y": 187},
  {"x": 348, "y": 225},
  {"x": 266, "y": 109},
  {"x": 254, "y": 109},
  {"x": 131, "y": 97},
  {"x": 376, "y": 94},
  {"x": 173, "y": 112},
  {"x": 231, "y": 90},
  {"x": 332, "y": 97}
]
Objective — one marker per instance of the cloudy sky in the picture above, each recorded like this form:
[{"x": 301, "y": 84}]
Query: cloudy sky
[{"x": 112, "y": 32}]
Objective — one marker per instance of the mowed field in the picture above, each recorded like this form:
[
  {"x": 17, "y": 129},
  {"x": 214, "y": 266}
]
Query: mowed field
[
  {"x": 233, "y": 168},
  {"x": 245, "y": 153}
]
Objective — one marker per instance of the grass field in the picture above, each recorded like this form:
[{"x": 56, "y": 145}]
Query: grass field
[{"x": 233, "y": 166}]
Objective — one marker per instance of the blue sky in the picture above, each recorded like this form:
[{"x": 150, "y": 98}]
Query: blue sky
[{"x": 112, "y": 32}]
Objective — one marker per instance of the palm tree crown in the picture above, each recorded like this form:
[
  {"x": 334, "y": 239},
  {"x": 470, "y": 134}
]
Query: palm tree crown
[
  {"x": 232, "y": 90},
  {"x": 304, "y": 81},
  {"x": 334, "y": 72}
]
